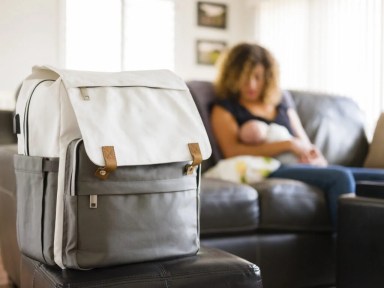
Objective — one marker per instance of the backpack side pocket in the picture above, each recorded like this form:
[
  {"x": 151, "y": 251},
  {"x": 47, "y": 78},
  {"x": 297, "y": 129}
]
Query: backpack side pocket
[{"x": 36, "y": 180}]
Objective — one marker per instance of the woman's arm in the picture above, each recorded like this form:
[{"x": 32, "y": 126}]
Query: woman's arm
[
  {"x": 297, "y": 127},
  {"x": 314, "y": 156},
  {"x": 225, "y": 130}
]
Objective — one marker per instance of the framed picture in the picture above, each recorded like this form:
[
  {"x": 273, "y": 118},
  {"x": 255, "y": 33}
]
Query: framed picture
[
  {"x": 212, "y": 15},
  {"x": 207, "y": 51}
]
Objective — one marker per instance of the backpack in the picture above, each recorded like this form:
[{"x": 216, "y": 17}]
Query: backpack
[{"x": 107, "y": 168}]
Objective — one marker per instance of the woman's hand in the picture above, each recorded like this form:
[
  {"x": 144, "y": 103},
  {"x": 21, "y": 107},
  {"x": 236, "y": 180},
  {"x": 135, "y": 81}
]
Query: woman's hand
[
  {"x": 307, "y": 153},
  {"x": 300, "y": 148},
  {"x": 315, "y": 157}
]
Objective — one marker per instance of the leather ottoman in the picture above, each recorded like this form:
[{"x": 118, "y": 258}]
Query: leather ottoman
[
  {"x": 210, "y": 268},
  {"x": 360, "y": 250}
]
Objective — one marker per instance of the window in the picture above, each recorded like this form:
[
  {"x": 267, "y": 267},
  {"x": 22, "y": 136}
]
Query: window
[
  {"x": 113, "y": 35},
  {"x": 93, "y": 35},
  {"x": 333, "y": 46},
  {"x": 148, "y": 34}
]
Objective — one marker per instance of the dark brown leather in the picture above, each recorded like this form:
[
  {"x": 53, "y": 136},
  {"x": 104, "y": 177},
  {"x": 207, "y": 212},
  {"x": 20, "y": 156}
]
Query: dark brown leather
[
  {"x": 286, "y": 260},
  {"x": 6, "y": 128},
  {"x": 227, "y": 207},
  {"x": 335, "y": 124},
  {"x": 360, "y": 242},
  {"x": 372, "y": 189},
  {"x": 274, "y": 204},
  {"x": 210, "y": 268},
  {"x": 290, "y": 205},
  {"x": 203, "y": 95}
]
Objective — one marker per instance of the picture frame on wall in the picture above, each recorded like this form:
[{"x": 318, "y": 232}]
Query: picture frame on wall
[
  {"x": 208, "y": 51},
  {"x": 212, "y": 15}
]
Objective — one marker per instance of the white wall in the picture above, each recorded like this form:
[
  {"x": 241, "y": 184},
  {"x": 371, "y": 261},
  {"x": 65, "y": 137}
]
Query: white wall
[
  {"x": 31, "y": 32},
  {"x": 29, "y": 35},
  {"x": 239, "y": 28}
]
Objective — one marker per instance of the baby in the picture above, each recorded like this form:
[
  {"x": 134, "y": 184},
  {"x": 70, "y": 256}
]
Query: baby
[{"x": 257, "y": 132}]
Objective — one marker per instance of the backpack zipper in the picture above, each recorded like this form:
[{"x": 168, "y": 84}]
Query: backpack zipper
[
  {"x": 74, "y": 165},
  {"x": 26, "y": 118},
  {"x": 93, "y": 197}
]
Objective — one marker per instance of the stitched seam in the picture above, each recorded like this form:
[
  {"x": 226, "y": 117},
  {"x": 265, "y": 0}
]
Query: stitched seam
[
  {"x": 135, "y": 181},
  {"x": 29, "y": 171},
  {"x": 215, "y": 272},
  {"x": 48, "y": 276},
  {"x": 136, "y": 193},
  {"x": 140, "y": 279},
  {"x": 163, "y": 274}
]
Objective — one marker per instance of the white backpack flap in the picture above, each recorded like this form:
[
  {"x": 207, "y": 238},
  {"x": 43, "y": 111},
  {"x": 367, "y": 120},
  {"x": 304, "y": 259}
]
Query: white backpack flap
[{"x": 149, "y": 117}]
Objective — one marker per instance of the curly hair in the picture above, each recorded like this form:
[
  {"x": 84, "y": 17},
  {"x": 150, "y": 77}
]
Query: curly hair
[{"x": 238, "y": 63}]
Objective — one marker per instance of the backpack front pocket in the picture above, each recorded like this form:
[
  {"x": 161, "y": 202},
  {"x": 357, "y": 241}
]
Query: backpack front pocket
[{"x": 139, "y": 213}]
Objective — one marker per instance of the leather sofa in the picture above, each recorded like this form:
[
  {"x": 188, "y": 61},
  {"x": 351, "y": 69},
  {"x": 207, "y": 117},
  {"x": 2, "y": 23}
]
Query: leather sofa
[
  {"x": 283, "y": 225},
  {"x": 280, "y": 225}
]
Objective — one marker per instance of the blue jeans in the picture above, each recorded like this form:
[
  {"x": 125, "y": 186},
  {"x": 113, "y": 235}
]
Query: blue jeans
[{"x": 333, "y": 180}]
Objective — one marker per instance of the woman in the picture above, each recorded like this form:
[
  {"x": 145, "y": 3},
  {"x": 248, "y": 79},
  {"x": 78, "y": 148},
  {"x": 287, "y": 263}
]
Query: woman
[{"x": 247, "y": 85}]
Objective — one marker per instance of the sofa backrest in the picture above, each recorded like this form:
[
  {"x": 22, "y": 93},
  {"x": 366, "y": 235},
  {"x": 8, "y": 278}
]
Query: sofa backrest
[
  {"x": 204, "y": 96},
  {"x": 333, "y": 123}
]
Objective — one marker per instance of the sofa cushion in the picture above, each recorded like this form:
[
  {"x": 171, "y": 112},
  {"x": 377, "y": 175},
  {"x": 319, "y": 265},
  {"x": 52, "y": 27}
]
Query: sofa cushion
[
  {"x": 290, "y": 205},
  {"x": 270, "y": 205},
  {"x": 227, "y": 207}
]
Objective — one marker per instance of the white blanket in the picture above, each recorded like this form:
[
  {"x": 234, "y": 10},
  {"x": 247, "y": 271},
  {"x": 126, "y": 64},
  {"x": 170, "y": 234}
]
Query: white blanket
[{"x": 243, "y": 169}]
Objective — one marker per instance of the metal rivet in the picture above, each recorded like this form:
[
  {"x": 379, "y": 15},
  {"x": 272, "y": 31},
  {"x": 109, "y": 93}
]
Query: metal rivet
[{"x": 103, "y": 172}]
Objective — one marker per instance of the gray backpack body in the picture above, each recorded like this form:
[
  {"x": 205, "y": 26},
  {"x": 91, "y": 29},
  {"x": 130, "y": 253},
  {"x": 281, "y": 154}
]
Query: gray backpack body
[{"x": 92, "y": 196}]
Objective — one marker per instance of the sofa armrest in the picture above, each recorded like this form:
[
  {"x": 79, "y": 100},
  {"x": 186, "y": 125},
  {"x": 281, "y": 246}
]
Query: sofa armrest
[
  {"x": 373, "y": 189},
  {"x": 360, "y": 242}
]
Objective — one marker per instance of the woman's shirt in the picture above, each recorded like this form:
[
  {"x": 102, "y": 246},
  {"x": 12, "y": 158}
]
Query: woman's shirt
[{"x": 242, "y": 114}]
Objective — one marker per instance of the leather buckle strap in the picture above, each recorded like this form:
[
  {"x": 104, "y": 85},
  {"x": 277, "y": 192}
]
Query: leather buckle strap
[
  {"x": 197, "y": 158},
  {"x": 110, "y": 163}
]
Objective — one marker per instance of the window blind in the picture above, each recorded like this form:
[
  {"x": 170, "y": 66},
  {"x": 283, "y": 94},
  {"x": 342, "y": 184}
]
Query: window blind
[{"x": 333, "y": 46}]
